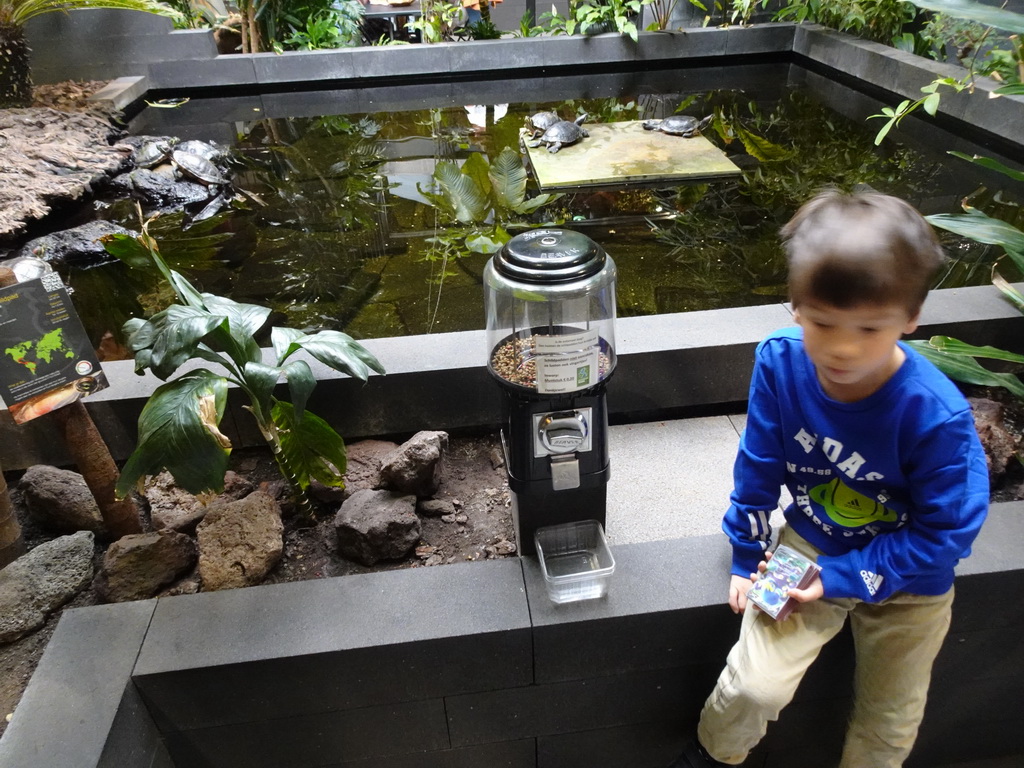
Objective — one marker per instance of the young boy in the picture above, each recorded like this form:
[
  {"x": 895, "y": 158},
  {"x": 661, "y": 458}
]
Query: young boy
[{"x": 888, "y": 477}]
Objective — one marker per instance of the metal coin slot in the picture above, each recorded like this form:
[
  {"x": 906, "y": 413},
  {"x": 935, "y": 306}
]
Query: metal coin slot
[{"x": 561, "y": 432}]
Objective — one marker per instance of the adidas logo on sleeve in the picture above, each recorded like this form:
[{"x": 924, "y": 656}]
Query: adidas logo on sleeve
[{"x": 872, "y": 581}]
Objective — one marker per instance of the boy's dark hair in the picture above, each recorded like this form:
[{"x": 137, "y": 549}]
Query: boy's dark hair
[{"x": 849, "y": 249}]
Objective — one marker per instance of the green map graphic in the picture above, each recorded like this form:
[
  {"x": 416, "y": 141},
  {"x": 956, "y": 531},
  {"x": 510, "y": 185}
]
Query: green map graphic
[{"x": 29, "y": 353}]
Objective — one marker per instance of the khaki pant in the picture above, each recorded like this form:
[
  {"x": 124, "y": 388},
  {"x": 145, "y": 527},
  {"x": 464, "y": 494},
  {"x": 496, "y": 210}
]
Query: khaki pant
[{"x": 896, "y": 642}]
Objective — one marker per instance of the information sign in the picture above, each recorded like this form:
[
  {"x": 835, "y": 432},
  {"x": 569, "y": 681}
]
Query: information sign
[{"x": 47, "y": 359}]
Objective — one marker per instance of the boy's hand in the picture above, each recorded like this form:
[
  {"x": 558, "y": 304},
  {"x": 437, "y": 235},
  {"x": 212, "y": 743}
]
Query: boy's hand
[
  {"x": 738, "y": 587},
  {"x": 814, "y": 592}
]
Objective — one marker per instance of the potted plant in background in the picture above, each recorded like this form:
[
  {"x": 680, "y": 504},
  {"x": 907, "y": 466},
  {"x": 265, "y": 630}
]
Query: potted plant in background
[
  {"x": 15, "y": 70},
  {"x": 594, "y": 17}
]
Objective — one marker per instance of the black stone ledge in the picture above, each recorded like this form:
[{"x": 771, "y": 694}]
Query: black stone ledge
[
  {"x": 669, "y": 366},
  {"x": 333, "y": 644},
  {"x": 353, "y": 67},
  {"x": 81, "y": 708},
  {"x": 904, "y": 74}
]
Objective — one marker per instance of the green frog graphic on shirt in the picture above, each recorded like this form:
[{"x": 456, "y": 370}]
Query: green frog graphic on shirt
[{"x": 847, "y": 508}]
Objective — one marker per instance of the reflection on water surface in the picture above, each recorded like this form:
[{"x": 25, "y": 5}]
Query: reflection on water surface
[{"x": 377, "y": 218}]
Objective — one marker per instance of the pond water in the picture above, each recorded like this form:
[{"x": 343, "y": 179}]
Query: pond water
[{"x": 344, "y": 227}]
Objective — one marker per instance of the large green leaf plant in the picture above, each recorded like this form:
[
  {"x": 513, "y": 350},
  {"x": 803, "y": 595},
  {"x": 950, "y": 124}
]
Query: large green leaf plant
[
  {"x": 955, "y": 358},
  {"x": 179, "y": 425}
]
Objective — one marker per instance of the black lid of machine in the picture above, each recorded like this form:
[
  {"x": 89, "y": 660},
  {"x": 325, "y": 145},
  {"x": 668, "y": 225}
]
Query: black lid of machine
[{"x": 549, "y": 256}]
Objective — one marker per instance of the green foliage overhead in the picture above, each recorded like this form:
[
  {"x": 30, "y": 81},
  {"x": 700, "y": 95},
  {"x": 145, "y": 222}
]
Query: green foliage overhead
[
  {"x": 18, "y": 12},
  {"x": 975, "y": 11}
]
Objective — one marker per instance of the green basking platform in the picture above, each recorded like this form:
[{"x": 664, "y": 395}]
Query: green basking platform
[{"x": 623, "y": 153}]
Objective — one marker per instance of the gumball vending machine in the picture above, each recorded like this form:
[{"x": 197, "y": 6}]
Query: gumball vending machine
[{"x": 549, "y": 297}]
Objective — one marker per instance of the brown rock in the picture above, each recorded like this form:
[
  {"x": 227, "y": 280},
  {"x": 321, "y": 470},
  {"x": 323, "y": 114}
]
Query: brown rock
[
  {"x": 415, "y": 467},
  {"x": 60, "y": 501},
  {"x": 49, "y": 157},
  {"x": 240, "y": 542},
  {"x": 435, "y": 507},
  {"x": 139, "y": 565},
  {"x": 377, "y": 525},
  {"x": 170, "y": 507},
  {"x": 363, "y": 464},
  {"x": 999, "y": 443}
]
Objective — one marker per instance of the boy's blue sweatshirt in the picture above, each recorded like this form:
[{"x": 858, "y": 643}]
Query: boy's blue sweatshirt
[{"x": 892, "y": 488}]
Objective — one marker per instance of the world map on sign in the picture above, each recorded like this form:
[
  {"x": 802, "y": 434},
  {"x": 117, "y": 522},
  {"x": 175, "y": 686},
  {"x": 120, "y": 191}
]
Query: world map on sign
[{"x": 29, "y": 353}]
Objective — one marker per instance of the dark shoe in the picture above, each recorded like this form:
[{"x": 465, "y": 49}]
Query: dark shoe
[{"x": 694, "y": 756}]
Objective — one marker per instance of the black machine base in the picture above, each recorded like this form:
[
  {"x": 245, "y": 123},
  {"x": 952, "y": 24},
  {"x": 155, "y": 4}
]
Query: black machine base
[{"x": 531, "y": 511}]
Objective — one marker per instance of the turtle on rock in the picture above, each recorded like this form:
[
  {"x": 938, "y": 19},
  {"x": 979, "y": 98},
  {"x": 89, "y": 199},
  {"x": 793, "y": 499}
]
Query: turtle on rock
[
  {"x": 197, "y": 168},
  {"x": 679, "y": 125},
  {"x": 152, "y": 153},
  {"x": 562, "y": 134}
]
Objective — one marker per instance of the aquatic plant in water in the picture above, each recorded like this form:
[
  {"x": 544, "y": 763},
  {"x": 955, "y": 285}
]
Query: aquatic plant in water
[{"x": 179, "y": 425}]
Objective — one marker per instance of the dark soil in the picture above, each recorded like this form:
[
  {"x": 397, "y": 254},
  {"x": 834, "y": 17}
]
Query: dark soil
[{"x": 473, "y": 479}]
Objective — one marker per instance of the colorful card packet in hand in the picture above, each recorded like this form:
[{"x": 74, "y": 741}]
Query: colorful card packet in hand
[{"x": 787, "y": 570}]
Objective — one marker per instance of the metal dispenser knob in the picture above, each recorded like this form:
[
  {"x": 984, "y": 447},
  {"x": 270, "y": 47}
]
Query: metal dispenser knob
[{"x": 563, "y": 432}]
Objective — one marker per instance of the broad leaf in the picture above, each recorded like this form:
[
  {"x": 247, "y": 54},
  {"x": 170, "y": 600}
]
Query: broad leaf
[
  {"x": 508, "y": 180},
  {"x": 186, "y": 291},
  {"x": 282, "y": 340},
  {"x": 478, "y": 169},
  {"x": 260, "y": 381},
  {"x": 178, "y": 431},
  {"x": 176, "y": 331},
  {"x": 990, "y": 163},
  {"x": 138, "y": 252},
  {"x": 975, "y": 11},
  {"x": 760, "y": 147},
  {"x": 310, "y": 448},
  {"x": 980, "y": 227},
  {"x": 488, "y": 242},
  {"x": 341, "y": 352},
  {"x": 531, "y": 205},
  {"x": 966, "y": 369},
  {"x": 301, "y": 383},
  {"x": 467, "y": 200},
  {"x": 244, "y": 320},
  {"x": 128, "y": 249},
  {"x": 1010, "y": 89},
  {"x": 957, "y": 347},
  {"x": 142, "y": 360},
  {"x": 139, "y": 334}
]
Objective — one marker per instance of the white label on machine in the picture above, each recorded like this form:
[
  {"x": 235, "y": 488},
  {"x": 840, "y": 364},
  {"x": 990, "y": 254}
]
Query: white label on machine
[{"x": 566, "y": 363}]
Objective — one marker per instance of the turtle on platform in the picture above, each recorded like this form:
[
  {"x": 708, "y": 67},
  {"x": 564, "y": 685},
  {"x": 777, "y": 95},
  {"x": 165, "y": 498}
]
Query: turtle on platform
[
  {"x": 537, "y": 123},
  {"x": 562, "y": 134},
  {"x": 679, "y": 125}
]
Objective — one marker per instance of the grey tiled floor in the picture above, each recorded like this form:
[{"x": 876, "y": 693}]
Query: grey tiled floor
[{"x": 670, "y": 479}]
